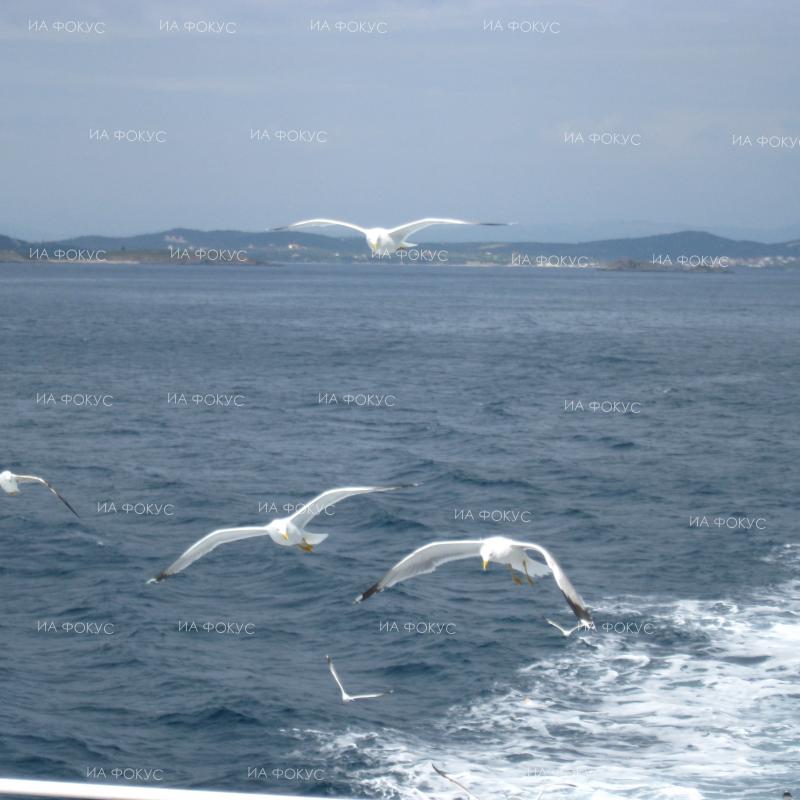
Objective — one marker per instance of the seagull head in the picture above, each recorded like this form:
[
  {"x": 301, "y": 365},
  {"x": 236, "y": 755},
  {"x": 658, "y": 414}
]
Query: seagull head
[
  {"x": 380, "y": 242},
  {"x": 279, "y": 527},
  {"x": 495, "y": 548}
]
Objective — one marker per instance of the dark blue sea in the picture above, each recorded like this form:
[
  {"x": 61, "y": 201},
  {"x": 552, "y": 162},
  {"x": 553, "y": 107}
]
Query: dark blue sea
[{"x": 644, "y": 427}]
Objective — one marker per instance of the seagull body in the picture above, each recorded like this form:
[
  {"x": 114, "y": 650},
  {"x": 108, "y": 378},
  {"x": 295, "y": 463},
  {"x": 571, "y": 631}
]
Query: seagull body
[
  {"x": 497, "y": 549},
  {"x": 286, "y": 531},
  {"x": 9, "y": 483},
  {"x": 453, "y": 781},
  {"x": 385, "y": 241},
  {"x": 350, "y": 698}
]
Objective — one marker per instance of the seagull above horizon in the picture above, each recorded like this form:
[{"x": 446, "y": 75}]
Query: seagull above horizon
[
  {"x": 351, "y": 698},
  {"x": 386, "y": 241},
  {"x": 9, "y": 483},
  {"x": 499, "y": 549},
  {"x": 286, "y": 531}
]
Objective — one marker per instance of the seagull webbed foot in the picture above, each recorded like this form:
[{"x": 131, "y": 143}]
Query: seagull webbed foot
[
  {"x": 514, "y": 577},
  {"x": 530, "y": 580}
]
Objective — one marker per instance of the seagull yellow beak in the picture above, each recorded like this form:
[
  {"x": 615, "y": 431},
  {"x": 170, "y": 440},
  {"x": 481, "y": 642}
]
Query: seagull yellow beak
[
  {"x": 286, "y": 535},
  {"x": 485, "y": 565}
]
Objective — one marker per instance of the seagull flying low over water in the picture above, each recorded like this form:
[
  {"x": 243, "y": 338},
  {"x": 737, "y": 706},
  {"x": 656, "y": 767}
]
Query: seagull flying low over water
[
  {"x": 286, "y": 531},
  {"x": 499, "y": 549},
  {"x": 386, "y": 241},
  {"x": 349, "y": 698},
  {"x": 9, "y": 483},
  {"x": 453, "y": 781},
  {"x": 542, "y": 789},
  {"x": 570, "y": 631}
]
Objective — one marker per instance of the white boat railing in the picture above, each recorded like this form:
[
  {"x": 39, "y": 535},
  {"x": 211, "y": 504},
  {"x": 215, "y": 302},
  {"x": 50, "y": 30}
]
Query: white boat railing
[{"x": 106, "y": 791}]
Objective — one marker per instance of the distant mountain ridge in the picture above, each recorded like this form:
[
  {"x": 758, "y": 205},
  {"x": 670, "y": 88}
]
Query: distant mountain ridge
[{"x": 283, "y": 246}]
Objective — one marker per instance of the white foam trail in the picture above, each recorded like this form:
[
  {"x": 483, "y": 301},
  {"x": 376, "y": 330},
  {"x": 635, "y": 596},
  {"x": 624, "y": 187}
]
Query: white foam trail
[{"x": 704, "y": 709}]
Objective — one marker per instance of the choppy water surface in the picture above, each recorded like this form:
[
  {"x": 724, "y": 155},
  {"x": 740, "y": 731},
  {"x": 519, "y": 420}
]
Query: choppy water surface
[{"x": 689, "y": 687}]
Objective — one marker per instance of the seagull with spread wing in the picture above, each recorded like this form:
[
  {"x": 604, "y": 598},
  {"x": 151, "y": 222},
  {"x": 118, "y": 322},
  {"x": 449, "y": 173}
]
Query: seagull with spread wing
[
  {"x": 515, "y": 555},
  {"x": 385, "y": 241},
  {"x": 453, "y": 781},
  {"x": 542, "y": 789},
  {"x": 9, "y": 483},
  {"x": 570, "y": 631},
  {"x": 350, "y": 698},
  {"x": 286, "y": 531}
]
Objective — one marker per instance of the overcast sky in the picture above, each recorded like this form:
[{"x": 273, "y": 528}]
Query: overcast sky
[{"x": 447, "y": 107}]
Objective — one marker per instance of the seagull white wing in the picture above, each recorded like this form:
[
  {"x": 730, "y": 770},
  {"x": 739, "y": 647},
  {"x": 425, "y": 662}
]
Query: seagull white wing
[
  {"x": 43, "y": 482},
  {"x": 336, "y": 677},
  {"x": 321, "y": 222},
  {"x": 565, "y": 631},
  {"x": 575, "y": 601},
  {"x": 349, "y": 697},
  {"x": 306, "y": 513},
  {"x": 424, "y": 560},
  {"x": 205, "y": 545},
  {"x": 453, "y": 781},
  {"x": 410, "y": 228}
]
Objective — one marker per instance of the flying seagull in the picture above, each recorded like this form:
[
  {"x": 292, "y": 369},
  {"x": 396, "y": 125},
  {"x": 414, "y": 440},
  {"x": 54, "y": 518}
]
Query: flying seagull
[
  {"x": 349, "y": 698},
  {"x": 542, "y": 789},
  {"x": 286, "y": 531},
  {"x": 570, "y": 631},
  {"x": 453, "y": 780},
  {"x": 499, "y": 549},
  {"x": 386, "y": 241},
  {"x": 9, "y": 483}
]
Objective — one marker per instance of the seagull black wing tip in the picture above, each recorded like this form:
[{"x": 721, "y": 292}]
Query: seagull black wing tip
[
  {"x": 61, "y": 498},
  {"x": 580, "y": 611},
  {"x": 371, "y": 591},
  {"x": 69, "y": 506},
  {"x": 368, "y": 593}
]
